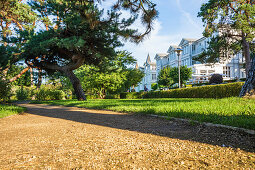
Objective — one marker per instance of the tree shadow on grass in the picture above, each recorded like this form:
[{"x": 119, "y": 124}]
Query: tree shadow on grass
[{"x": 151, "y": 125}]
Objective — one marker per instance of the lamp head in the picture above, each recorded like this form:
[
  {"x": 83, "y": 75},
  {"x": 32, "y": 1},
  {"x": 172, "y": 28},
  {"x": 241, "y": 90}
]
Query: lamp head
[{"x": 178, "y": 50}]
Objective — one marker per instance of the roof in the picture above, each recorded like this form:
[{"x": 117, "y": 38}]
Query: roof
[{"x": 187, "y": 39}]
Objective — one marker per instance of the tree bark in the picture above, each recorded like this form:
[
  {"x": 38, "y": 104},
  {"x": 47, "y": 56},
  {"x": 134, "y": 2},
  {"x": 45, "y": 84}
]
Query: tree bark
[
  {"x": 31, "y": 77},
  {"x": 247, "y": 55},
  {"x": 19, "y": 75},
  {"x": 39, "y": 83},
  {"x": 76, "y": 84},
  {"x": 248, "y": 87}
]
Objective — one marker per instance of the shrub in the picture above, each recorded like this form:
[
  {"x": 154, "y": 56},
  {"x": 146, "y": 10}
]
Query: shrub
[
  {"x": 154, "y": 86},
  {"x": 216, "y": 78},
  {"x": 215, "y": 91},
  {"x": 56, "y": 94},
  {"x": 112, "y": 96},
  {"x": 5, "y": 90},
  {"x": 23, "y": 93},
  {"x": 135, "y": 95},
  {"x": 92, "y": 96},
  {"x": 49, "y": 94}
]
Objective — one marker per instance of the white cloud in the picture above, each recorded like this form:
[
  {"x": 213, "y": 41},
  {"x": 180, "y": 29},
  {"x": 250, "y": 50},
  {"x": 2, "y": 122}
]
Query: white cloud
[
  {"x": 187, "y": 15},
  {"x": 154, "y": 43}
]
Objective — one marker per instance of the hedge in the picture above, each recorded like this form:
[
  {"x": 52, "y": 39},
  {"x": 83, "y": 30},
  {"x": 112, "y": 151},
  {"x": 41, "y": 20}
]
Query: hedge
[{"x": 210, "y": 91}]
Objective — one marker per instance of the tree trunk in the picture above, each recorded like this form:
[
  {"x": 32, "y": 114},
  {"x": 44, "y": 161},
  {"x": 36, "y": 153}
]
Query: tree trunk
[
  {"x": 76, "y": 85},
  {"x": 248, "y": 87},
  {"x": 31, "y": 77},
  {"x": 39, "y": 83},
  {"x": 19, "y": 75},
  {"x": 246, "y": 53}
]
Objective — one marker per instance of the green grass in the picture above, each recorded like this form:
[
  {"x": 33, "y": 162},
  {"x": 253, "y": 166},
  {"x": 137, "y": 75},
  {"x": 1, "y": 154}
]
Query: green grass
[
  {"x": 7, "y": 110},
  {"x": 233, "y": 111}
]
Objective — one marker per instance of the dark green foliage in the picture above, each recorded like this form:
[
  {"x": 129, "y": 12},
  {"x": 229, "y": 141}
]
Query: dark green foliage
[
  {"x": 216, "y": 78},
  {"x": 112, "y": 96},
  {"x": 154, "y": 86},
  {"x": 5, "y": 90},
  {"x": 164, "y": 77},
  {"x": 24, "y": 93},
  {"x": 170, "y": 75},
  {"x": 132, "y": 95},
  {"x": 24, "y": 80},
  {"x": 45, "y": 93},
  {"x": 210, "y": 91}
]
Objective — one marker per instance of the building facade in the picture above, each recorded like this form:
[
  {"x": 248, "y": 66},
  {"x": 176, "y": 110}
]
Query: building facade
[
  {"x": 230, "y": 69},
  {"x": 150, "y": 75}
]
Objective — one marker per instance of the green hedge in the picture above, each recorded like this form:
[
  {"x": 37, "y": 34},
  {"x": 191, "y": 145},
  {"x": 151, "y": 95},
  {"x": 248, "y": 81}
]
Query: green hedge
[{"x": 210, "y": 91}]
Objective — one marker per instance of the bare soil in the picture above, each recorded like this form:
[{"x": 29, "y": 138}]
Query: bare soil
[{"x": 56, "y": 137}]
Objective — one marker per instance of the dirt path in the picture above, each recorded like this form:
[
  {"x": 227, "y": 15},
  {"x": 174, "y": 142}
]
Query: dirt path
[{"x": 55, "y": 137}]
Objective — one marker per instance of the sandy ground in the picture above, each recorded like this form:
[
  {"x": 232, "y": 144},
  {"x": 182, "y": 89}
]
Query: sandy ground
[{"x": 56, "y": 137}]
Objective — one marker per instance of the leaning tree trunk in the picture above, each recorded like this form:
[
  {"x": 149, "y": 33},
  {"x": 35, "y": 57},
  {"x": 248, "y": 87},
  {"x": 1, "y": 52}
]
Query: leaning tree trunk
[
  {"x": 76, "y": 85},
  {"x": 31, "y": 77},
  {"x": 248, "y": 86},
  {"x": 39, "y": 78}
]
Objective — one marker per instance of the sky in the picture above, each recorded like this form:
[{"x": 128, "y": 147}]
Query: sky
[{"x": 177, "y": 19}]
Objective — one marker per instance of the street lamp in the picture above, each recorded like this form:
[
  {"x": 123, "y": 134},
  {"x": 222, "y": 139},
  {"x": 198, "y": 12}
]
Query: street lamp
[{"x": 178, "y": 51}]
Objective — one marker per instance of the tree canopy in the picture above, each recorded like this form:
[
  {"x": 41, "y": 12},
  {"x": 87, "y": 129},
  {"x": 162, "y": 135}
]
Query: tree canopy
[
  {"x": 170, "y": 75},
  {"x": 231, "y": 23},
  {"x": 67, "y": 34}
]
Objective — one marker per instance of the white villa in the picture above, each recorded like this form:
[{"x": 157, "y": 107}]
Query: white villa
[
  {"x": 230, "y": 69},
  {"x": 150, "y": 74}
]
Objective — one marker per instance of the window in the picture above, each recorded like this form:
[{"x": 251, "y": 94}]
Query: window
[
  {"x": 202, "y": 71},
  {"x": 153, "y": 77},
  {"x": 226, "y": 71},
  {"x": 153, "y": 67},
  {"x": 211, "y": 71}
]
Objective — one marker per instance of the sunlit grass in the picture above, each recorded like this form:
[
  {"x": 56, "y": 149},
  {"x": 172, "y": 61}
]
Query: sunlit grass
[
  {"x": 228, "y": 111},
  {"x": 7, "y": 110}
]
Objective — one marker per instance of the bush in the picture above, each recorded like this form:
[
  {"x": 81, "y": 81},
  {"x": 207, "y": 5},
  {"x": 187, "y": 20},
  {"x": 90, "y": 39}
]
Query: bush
[
  {"x": 92, "y": 96},
  {"x": 154, "y": 86},
  {"x": 49, "y": 94},
  {"x": 135, "y": 95},
  {"x": 215, "y": 91},
  {"x": 216, "y": 78},
  {"x": 5, "y": 90},
  {"x": 57, "y": 95},
  {"x": 23, "y": 93},
  {"x": 112, "y": 96}
]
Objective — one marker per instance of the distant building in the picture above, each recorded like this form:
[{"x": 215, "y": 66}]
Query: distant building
[
  {"x": 230, "y": 69},
  {"x": 150, "y": 74}
]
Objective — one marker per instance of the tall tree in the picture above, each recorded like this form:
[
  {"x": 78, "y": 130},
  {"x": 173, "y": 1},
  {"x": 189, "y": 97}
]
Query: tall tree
[
  {"x": 164, "y": 77},
  {"x": 185, "y": 74},
  {"x": 234, "y": 21},
  {"x": 15, "y": 16},
  {"x": 81, "y": 34}
]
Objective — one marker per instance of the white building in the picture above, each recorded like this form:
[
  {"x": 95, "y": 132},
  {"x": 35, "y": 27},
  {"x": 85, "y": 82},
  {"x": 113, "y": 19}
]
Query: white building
[
  {"x": 230, "y": 69},
  {"x": 149, "y": 69}
]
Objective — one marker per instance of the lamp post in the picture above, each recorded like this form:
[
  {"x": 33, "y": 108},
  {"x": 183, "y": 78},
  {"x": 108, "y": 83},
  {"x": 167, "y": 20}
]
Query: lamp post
[{"x": 178, "y": 51}]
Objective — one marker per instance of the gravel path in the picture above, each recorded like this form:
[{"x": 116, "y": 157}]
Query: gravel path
[{"x": 56, "y": 137}]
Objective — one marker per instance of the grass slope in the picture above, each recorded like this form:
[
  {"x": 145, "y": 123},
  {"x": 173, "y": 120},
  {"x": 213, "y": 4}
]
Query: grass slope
[
  {"x": 233, "y": 111},
  {"x": 7, "y": 110}
]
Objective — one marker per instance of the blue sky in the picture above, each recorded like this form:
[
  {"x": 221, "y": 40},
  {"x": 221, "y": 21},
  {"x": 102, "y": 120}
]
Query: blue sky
[{"x": 177, "y": 19}]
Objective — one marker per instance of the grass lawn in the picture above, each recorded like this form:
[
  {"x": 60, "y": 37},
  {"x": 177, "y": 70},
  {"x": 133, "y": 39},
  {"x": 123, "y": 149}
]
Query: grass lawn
[
  {"x": 7, "y": 110},
  {"x": 233, "y": 111}
]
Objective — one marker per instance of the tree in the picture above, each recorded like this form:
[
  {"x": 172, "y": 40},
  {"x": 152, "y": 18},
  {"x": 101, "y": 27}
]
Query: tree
[
  {"x": 114, "y": 79},
  {"x": 170, "y": 75},
  {"x": 234, "y": 20},
  {"x": 80, "y": 34},
  {"x": 185, "y": 74},
  {"x": 15, "y": 16},
  {"x": 164, "y": 77}
]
